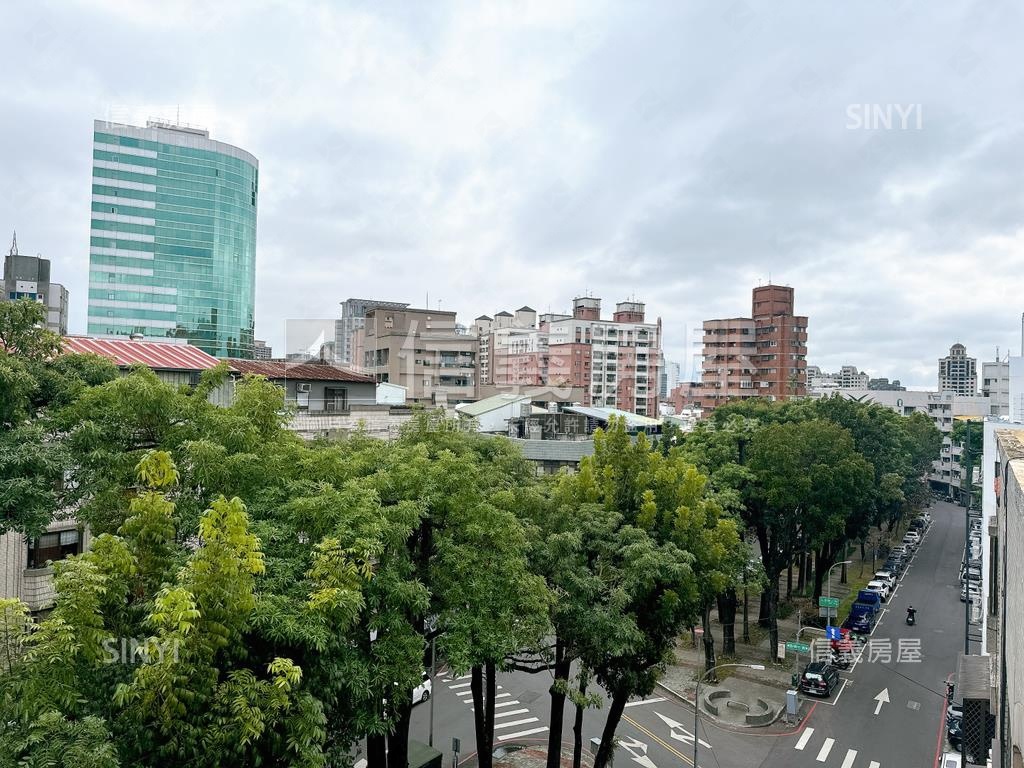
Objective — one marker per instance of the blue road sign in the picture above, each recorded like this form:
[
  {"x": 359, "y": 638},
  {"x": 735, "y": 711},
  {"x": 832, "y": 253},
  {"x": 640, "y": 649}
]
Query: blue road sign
[{"x": 833, "y": 633}]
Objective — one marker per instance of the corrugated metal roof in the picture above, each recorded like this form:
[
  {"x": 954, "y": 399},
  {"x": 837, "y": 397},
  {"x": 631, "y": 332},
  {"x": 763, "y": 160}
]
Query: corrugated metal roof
[
  {"x": 633, "y": 420},
  {"x": 305, "y": 371},
  {"x": 489, "y": 404},
  {"x": 153, "y": 354}
]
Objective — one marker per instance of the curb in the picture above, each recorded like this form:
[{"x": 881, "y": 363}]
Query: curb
[{"x": 739, "y": 727}]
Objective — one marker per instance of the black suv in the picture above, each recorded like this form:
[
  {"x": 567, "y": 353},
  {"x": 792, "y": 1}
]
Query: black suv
[{"x": 819, "y": 679}]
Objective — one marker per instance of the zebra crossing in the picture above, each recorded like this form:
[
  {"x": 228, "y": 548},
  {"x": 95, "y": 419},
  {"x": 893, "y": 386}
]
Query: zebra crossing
[
  {"x": 509, "y": 712},
  {"x": 825, "y": 751}
]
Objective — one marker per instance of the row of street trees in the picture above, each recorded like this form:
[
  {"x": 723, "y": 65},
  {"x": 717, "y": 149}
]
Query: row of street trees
[{"x": 281, "y": 593}]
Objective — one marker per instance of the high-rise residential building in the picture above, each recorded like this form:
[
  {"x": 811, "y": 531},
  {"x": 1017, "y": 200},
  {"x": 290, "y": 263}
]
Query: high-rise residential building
[
  {"x": 353, "y": 317},
  {"x": 615, "y": 361},
  {"x": 423, "y": 350},
  {"x": 995, "y": 385},
  {"x": 958, "y": 372},
  {"x": 172, "y": 252},
  {"x": 609, "y": 362},
  {"x": 763, "y": 355},
  {"x": 28, "y": 277},
  {"x": 513, "y": 349}
]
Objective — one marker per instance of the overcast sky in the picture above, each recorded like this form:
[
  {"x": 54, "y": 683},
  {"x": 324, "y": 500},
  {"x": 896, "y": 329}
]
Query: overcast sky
[{"x": 495, "y": 155}]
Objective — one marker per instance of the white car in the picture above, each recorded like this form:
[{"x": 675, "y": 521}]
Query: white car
[
  {"x": 888, "y": 577},
  {"x": 913, "y": 536},
  {"x": 422, "y": 691},
  {"x": 881, "y": 588}
]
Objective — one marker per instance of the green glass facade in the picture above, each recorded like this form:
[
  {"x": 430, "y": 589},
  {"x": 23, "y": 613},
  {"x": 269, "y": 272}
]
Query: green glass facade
[{"x": 172, "y": 251}]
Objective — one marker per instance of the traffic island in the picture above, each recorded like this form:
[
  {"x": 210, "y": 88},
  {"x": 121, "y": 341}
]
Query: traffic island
[{"x": 726, "y": 707}]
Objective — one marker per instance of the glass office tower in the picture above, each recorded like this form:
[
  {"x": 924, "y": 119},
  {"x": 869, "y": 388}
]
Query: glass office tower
[{"x": 172, "y": 251}]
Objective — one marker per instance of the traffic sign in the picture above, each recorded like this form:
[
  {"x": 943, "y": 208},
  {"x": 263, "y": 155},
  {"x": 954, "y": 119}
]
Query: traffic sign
[
  {"x": 798, "y": 647},
  {"x": 833, "y": 633},
  {"x": 830, "y": 613},
  {"x": 828, "y": 602}
]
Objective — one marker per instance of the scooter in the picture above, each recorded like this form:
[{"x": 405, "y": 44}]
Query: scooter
[{"x": 911, "y": 618}]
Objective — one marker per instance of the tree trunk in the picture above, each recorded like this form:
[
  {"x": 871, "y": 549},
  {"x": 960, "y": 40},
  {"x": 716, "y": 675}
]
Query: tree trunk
[
  {"x": 709, "y": 639},
  {"x": 746, "y": 615},
  {"x": 604, "y": 752},
  {"x": 577, "y": 727},
  {"x": 483, "y": 713},
  {"x": 763, "y": 617},
  {"x": 842, "y": 574},
  {"x": 822, "y": 562},
  {"x": 801, "y": 582},
  {"x": 773, "y": 618},
  {"x": 376, "y": 751},
  {"x": 789, "y": 581},
  {"x": 557, "y": 705},
  {"x": 727, "y": 616},
  {"x": 398, "y": 741}
]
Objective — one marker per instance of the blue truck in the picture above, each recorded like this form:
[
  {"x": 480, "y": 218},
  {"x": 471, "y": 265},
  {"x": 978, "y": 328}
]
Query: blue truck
[{"x": 864, "y": 612}]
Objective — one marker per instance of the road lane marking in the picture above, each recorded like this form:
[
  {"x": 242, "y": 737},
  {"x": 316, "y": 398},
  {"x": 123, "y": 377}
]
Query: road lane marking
[
  {"x": 459, "y": 685},
  {"x": 514, "y": 723},
  {"x": 874, "y": 764},
  {"x": 644, "y": 701},
  {"x": 522, "y": 733},
  {"x": 825, "y": 749},
  {"x": 503, "y": 695},
  {"x": 804, "y": 738},
  {"x": 506, "y": 704},
  {"x": 851, "y": 755},
  {"x": 511, "y": 712},
  {"x": 662, "y": 742}
]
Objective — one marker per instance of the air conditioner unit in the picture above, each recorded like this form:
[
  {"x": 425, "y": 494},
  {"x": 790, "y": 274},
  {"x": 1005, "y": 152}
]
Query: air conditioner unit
[{"x": 302, "y": 386}]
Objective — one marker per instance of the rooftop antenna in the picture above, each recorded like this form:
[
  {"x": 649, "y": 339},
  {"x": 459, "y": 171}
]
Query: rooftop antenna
[{"x": 14, "y": 244}]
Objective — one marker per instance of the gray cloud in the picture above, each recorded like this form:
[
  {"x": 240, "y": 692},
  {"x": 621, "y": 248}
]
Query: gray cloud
[{"x": 500, "y": 154}]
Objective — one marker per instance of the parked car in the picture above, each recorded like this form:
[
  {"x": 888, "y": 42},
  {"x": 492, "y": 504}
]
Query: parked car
[
  {"x": 422, "y": 691},
  {"x": 888, "y": 577},
  {"x": 862, "y": 618},
  {"x": 918, "y": 525},
  {"x": 819, "y": 679},
  {"x": 926, "y": 517},
  {"x": 895, "y": 565},
  {"x": 912, "y": 539},
  {"x": 975, "y": 592},
  {"x": 881, "y": 587},
  {"x": 900, "y": 549}
]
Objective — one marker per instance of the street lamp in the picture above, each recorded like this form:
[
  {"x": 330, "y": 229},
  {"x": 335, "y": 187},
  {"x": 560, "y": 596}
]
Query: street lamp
[
  {"x": 696, "y": 701},
  {"x": 828, "y": 578}
]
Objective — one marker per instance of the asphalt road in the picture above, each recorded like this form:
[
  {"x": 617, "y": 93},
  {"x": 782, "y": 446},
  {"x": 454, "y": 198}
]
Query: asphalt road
[
  {"x": 887, "y": 714},
  {"x": 890, "y": 712}
]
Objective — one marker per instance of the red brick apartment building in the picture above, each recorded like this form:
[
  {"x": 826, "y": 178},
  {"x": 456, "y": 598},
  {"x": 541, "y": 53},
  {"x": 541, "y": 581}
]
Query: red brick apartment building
[{"x": 764, "y": 355}]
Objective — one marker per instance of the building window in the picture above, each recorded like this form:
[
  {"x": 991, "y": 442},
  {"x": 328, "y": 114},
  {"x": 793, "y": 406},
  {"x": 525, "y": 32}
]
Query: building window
[{"x": 51, "y": 547}]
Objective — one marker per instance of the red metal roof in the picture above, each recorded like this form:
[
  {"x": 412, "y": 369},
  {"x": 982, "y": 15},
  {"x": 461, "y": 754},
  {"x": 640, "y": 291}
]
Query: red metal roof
[
  {"x": 274, "y": 369},
  {"x": 154, "y": 354}
]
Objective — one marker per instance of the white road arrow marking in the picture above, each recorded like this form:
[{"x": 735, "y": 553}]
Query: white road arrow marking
[
  {"x": 638, "y": 752},
  {"x": 881, "y": 698},
  {"x": 679, "y": 733}
]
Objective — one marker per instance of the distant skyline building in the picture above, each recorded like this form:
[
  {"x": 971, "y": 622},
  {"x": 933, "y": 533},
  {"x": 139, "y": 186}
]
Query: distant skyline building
[
  {"x": 261, "y": 351},
  {"x": 668, "y": 377},
  {"x": 353, "y": 317},
  {"x": 847, "y": 377},
  {"x": 958, "y": 372},
  {"x": 884, "y": 385},
  {"x": 172, "y": 251},
  {"x": 28, "y": 277}
]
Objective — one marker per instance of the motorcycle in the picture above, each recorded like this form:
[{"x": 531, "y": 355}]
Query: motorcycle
[
  {"x": 840, "y": 660},
  {"x": 911, "y": 618}
]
